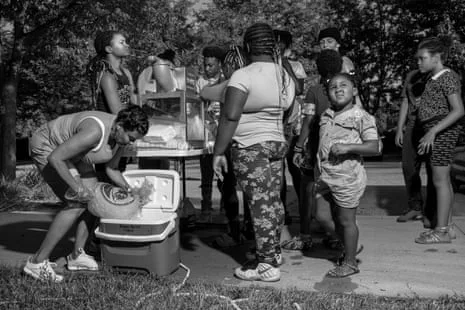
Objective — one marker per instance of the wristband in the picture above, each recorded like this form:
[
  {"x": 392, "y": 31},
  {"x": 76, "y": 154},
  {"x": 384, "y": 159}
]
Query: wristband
[{"x": 298, "y": 149}]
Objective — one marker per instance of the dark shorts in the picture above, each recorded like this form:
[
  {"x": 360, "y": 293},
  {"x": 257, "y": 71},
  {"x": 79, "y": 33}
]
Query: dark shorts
[{"x": 444, "y": 144}]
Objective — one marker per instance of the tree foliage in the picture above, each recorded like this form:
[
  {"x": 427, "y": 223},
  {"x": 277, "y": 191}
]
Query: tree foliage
[
  {"x": 225, "y": 21},
  {"x": 381, "y": 37},
  {"x": 46, "y": 45}
]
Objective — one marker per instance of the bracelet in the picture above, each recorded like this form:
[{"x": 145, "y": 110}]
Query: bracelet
[{"x": 298, "y": 149}]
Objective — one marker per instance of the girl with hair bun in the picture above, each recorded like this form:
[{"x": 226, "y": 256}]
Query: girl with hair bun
[
  {"x": 111, "y": 83},
  {"x": 257, "y": 98},
  {"x": 439, "y": 110}
]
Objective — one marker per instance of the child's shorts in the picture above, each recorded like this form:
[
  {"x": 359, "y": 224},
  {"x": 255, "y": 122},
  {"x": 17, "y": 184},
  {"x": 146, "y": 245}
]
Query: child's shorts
[
  {"x": 444, "y": 144},
  {"x": 345, "y": 193}
]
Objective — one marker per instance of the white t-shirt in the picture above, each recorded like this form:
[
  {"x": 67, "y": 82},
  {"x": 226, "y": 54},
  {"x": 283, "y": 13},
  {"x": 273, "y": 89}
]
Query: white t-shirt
[{"x": 262, "y": 117}]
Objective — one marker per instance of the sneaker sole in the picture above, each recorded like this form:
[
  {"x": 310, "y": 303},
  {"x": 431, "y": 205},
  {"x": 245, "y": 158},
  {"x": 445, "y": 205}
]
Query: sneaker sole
[
  {"x": 33, "y": 275},
  {"x": 274, "y": 279},
  {"x": 436, "y": 242},
  {"x": 258, "y": 278},
  {"x": 81, "y": 268}
]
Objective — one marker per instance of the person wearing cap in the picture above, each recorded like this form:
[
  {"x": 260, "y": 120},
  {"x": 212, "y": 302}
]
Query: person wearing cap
[{"x": 330, "y": 39}]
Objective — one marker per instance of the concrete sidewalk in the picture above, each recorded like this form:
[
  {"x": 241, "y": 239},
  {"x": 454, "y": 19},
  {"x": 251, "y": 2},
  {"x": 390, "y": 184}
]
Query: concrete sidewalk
[{"x": 392, "y": 264}]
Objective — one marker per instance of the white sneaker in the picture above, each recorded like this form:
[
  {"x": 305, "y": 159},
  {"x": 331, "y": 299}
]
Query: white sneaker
[
  {"x": 258, "y": 272},
  {"x": 82, "y": 262},
  {"x": 42, "y": 271},
  {"x": 450, "y": 230}
]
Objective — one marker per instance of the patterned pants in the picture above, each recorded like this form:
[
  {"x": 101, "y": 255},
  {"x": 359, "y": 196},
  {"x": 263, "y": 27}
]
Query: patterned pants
[{"x": 258, "y": 169}]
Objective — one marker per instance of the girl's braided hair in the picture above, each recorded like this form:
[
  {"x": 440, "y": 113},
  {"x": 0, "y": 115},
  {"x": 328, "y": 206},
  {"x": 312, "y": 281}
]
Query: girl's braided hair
[
  {"x": 98, "y": 64},
  {"x": 234, "y": 58},
  {"x": 259, "y": 39}
]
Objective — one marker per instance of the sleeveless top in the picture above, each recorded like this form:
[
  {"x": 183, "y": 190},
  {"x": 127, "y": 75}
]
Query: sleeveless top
[
  {"x": 123, "y": 89},
  {"x": 64, "y": 127}
]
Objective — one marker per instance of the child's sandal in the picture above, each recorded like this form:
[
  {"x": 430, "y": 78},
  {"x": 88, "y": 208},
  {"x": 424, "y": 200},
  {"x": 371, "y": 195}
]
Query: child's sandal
[
  {"x": 342, "y": 271},
  {"x": 340, "y": 260}
]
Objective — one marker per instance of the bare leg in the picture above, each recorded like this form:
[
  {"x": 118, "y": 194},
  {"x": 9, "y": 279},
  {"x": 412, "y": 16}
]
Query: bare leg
[
  {"x": 59, "y": 227},
  {"x": 445, "y": 194},
  {"x": 346, "y": 218},
  {"x": 85, "y": 224},
  {"x": 324, "y": 216},
  {"x": 86, "y": 221},
  {"x": 306, "y": 203}
]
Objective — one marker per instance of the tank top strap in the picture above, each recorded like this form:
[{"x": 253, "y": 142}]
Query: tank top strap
[{"x": 102, "y": 127}]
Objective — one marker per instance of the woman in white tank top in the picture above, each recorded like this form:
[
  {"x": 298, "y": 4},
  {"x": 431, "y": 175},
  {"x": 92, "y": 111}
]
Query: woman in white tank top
[{"x": 65, "y": 150}]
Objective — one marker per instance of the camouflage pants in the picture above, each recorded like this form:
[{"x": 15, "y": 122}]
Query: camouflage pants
[{"x": 258, "y": 169}]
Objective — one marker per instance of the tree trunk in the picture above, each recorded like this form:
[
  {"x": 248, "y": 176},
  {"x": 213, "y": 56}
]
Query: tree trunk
[{"x": 8, "y": 130}]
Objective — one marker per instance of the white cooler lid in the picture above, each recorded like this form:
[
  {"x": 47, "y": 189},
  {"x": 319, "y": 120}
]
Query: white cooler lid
[{"x": 166, "y": 187}]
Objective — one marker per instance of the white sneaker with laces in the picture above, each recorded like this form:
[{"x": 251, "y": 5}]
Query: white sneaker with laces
[
  {"x": 82, "y": 262},
  {"x": 42, "y": 271},
  {"x": 261, "y": 272}
]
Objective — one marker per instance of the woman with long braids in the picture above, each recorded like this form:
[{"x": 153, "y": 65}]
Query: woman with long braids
[
  {"x": 111, "y": 83},
  {"x": 257, "y": 97}
]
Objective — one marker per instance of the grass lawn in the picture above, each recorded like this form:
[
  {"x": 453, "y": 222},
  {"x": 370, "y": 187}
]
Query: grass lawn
[{"x": 112, "y": 290}]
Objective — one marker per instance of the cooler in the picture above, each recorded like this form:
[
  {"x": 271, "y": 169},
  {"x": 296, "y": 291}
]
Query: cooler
[{"x": 150, "y": 242}]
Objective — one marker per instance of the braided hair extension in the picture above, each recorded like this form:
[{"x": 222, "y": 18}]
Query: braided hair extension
[
  {"x": 259, "y": 39},
  {"x": 98, "y": 64},
  {"x": 234, "y": 58}
]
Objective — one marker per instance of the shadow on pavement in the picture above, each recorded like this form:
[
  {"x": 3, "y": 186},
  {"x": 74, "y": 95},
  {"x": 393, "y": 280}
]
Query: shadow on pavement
[
  {"x": 26, "y": 237},
  {"x": 207, "y": 235},
  {"x": 383, "y": 200}
]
